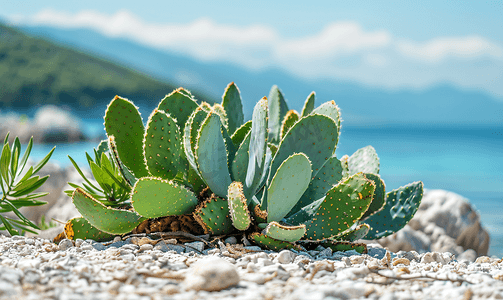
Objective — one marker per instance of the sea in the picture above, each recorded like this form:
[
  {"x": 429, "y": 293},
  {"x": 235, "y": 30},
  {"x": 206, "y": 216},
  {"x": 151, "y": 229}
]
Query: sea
[{"x": 467, "y": 160}]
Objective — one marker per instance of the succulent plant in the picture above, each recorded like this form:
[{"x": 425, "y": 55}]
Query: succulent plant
[
  {"x": 18, "y": 186},
  {"x": 275, "y": 178},
  {"x": 300, "y": 184}
]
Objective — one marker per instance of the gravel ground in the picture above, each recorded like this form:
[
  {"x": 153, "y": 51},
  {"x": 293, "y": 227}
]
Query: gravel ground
[{"x": 34, "y": 268}]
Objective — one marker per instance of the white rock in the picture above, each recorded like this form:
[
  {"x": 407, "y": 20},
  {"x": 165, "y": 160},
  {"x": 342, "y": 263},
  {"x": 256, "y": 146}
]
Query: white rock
[
  {"x": 211, "y": 274},
  {"x": 286, "y": 257}
]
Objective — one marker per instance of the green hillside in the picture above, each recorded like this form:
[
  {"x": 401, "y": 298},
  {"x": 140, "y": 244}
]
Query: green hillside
[{"x": 34, "y": 71}]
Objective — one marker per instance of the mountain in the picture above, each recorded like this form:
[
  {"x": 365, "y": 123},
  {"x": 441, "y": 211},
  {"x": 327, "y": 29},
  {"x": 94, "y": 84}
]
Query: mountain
[
  {"x": 34, "y": 71},
  {"x": 361, "y": 105}
]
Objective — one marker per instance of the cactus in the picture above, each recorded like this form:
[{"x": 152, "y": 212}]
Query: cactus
[
  {"x": 79, "y": 228},
  {"x": 401, "y": 205},
  {"x": 275, "y": 178},
  {"x": 238, "y": 207},
  {"x": 214, "y": 216},
  {"x": 231, "y": 102},
  {"x": 277, "y": 110}
]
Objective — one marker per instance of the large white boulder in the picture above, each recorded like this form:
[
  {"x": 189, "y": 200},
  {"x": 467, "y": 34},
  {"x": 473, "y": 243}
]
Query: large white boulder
[{"x": 445, "y": 221}]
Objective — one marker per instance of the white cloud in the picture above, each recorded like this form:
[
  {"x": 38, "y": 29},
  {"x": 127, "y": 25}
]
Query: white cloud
[
  {"x": 341, "y": 50},
  {"x": 336, "y": 39},
  {"x": 439, "y": 49},
  {"x": 203, "y": 38}
]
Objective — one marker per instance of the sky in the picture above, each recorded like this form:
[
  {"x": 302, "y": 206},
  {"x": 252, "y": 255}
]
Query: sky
[{"x": 387, "y": 44}]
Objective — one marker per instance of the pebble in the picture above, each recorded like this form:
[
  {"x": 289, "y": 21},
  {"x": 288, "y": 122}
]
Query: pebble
[
  {"x": 34, "y": 268},
  {"x": 286, "y": 257},
  {"x": 211, "y": 274}
]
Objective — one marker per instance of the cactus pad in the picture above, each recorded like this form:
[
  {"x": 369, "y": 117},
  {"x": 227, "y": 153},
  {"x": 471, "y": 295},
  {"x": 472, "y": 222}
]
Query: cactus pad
[
  {"x": 239, "y": 165},
  {"x": 364, "y": 160},
  {"x": 314, "y": 135},
  {"x": 330, "y": 109},
  {"x": 272, "y": 244},
  {"x": 126, "y": 173},
  {"x": 154, "y": 197},
  {"x": 352, "y": 235},
  {"x": 104, "y": 218},
  {"x": 211, "y": 154},
  {"x": 328, "y": 176},
  {"x": 379, "y": 195},
  {"x": 231, "y": 102},
  {"x": 190, "y": 135},
  {"x": 239, "y": 135},
  {"x": 101, "y": 148},
  {"x": 401, "y": 205},
  {"x": 238, "y": 207},
  {"x": 79, "y": 228},
  {"x": 290, "y": 118},
  {"x": 162, "y": 146},
  {"x": 123, "y": 120},
  {"x": 285, "y": 233},
  {"x": 343, "y": 205},
  {"x": 287, "y": 186},
  {"x": 308, "y": 105},
  {"x": 345, "y": 246},
  {"x": 277, "y": 111},
  {"x": 179, "y": 104},
  {"x": 214, "y": 216},
  {"x": 258, "y": 148}
]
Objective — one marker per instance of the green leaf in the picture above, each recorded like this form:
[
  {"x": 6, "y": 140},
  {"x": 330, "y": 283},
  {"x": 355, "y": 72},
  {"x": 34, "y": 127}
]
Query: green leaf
[
  {"x": 26, "y": 154},
  {"x": 6, "y": 139},
  {"x": 44, "y": 160},
  {"x": 8, "y": 226},
  {"x": 4, "y": 163},
  {"x": 19, "y": 214},
  {"x": 31, "y": 188},
  {"x": 16, "y": 149}
]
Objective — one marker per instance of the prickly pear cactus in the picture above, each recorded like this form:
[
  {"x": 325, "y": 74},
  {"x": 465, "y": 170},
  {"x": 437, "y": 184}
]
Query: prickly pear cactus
[{"x": 275, "y": 178}]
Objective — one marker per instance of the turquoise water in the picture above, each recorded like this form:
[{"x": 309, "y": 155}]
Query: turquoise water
[{"x": 465, "y": 160}]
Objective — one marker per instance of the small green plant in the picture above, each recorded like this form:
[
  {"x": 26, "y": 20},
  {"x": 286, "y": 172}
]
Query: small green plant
[
  {"x": 274, "y": 178},
  {"x": 113, "y": 188},
  {"x": 18, "y": 186},
  {"x": 44, "y": 225}
]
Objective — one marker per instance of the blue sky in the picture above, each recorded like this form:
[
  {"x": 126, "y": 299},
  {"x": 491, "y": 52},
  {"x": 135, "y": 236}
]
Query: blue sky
[{"x": 389, "y": 44}]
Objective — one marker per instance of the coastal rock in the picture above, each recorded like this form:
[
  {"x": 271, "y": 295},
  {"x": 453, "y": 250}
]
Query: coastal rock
[
  {"x": 50, "y": 124},
  {"x": 444, "y": 222}
]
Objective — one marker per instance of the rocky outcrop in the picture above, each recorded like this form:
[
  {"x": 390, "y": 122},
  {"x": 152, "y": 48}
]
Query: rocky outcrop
[
  {"x": 444, "y": 222},
  {"x": 50, "y": 124}
]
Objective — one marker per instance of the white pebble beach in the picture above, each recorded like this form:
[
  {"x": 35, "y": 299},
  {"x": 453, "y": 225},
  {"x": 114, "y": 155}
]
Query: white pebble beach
[{"x": 35, "y": 268}]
